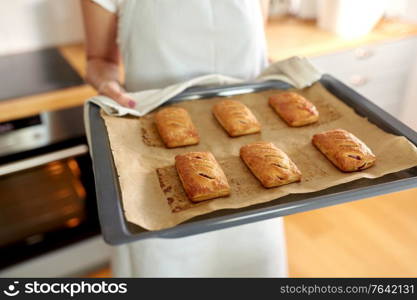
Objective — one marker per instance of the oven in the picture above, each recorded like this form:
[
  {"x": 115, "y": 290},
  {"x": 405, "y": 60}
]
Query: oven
[{"x": 47, "y": 196}]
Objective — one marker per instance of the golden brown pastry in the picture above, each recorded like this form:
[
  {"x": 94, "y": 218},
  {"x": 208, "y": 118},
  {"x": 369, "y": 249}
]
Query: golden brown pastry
[
  {"x": 344, "y": 150},
  {"x": 294, "y": 109},
  {"x": 201, "y": 176},
  {"x": 236, "y": 118},
  {"x": 176, "y": 128},
  {"x": 269, "y": 164}
]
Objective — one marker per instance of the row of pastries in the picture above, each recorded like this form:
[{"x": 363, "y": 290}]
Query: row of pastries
[
  {"x": 176, "y": 128},
  {"x": 203, "y": 178}
]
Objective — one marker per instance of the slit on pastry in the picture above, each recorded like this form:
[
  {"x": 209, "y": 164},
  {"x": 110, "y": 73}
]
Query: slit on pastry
[
  {"x": 344, "y": 150},
  {"x": 201, "y": 176},
  {"x": 270, "y": 165},
  {"x": 176, "y": 128}
]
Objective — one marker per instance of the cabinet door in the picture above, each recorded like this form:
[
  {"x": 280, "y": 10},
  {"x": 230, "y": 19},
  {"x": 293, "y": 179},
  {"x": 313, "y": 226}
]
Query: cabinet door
[{"x": 379, "y": 72}]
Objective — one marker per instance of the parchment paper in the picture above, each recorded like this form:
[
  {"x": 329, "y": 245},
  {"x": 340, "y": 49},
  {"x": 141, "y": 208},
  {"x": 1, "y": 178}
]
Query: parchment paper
[{"x": 153, "y": 197}]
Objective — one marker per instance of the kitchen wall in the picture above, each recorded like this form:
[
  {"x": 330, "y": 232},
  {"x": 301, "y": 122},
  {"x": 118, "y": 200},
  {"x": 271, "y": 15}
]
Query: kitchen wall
[{"x": 32, "y": 24}]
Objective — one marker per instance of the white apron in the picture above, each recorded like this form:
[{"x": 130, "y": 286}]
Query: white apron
[{"x": 163, "y": 42}]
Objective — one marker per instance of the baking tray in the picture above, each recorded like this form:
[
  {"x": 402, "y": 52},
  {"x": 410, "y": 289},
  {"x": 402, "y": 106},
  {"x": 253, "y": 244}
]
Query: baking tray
[{"x": 117, "y": 230}]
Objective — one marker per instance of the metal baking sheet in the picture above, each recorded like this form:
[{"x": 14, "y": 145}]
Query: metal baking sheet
[{"x": 116, "y": 230}]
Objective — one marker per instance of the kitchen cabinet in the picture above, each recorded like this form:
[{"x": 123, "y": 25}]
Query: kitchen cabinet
[{"x": 380, "y": 72}]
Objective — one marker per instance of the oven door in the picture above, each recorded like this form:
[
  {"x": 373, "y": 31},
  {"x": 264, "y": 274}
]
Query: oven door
[{"x": 46, "y": 202}]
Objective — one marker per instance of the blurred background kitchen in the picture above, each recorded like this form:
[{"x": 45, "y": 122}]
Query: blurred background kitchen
[{"x": 48, "y": 214}]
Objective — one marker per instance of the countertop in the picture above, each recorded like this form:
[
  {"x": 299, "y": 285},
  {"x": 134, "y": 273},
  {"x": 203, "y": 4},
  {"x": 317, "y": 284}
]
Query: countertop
[{"x": 286, "y": 37}]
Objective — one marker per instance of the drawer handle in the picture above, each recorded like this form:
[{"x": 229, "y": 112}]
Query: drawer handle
[
  {"x": 362, "y": 53},
  {"x": 42, "y": 159},
  {"x": 358, "y": 80}
]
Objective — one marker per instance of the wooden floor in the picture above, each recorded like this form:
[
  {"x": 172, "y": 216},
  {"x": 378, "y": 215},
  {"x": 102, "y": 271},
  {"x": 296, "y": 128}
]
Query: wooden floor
[
  {"x": 375, "y": 237},
  {"x": 370, "y": 237},
  {"x": 102, "y": 273}
]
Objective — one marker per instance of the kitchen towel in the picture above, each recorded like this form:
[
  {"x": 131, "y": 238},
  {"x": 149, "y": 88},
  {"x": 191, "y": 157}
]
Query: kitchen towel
[{"x": 297, "y": 71}]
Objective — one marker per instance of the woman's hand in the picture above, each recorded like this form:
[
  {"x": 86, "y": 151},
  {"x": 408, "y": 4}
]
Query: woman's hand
[
  {"x": 115, "y": 91},
  {"x": 104, "y": 77},
  {"x": 103, "y": 53}
]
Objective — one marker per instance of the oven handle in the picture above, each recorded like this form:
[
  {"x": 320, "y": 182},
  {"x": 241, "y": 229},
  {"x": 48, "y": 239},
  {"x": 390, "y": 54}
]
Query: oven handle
[{"x": 42, "y": 159}]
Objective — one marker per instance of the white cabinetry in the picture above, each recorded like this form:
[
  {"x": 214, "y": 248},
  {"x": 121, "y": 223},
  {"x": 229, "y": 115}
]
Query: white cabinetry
[{"x": 380, "y": 72}]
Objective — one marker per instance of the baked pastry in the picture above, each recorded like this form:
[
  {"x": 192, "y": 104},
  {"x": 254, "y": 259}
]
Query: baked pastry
[
  {"x": 236, "y": 118},
  {"x": 176, "y": 128},
  {"x": 344, "y": 150},
  {"x": 269, "y": 164},
  {"x": 201, "y": 176},
  {"x": 294, "y": 109}
]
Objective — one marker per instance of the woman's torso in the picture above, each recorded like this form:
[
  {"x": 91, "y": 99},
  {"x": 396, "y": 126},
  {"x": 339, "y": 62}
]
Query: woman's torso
[
  {"x": 167, "y": 41},
  {"x": 164, "y": 42}
]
